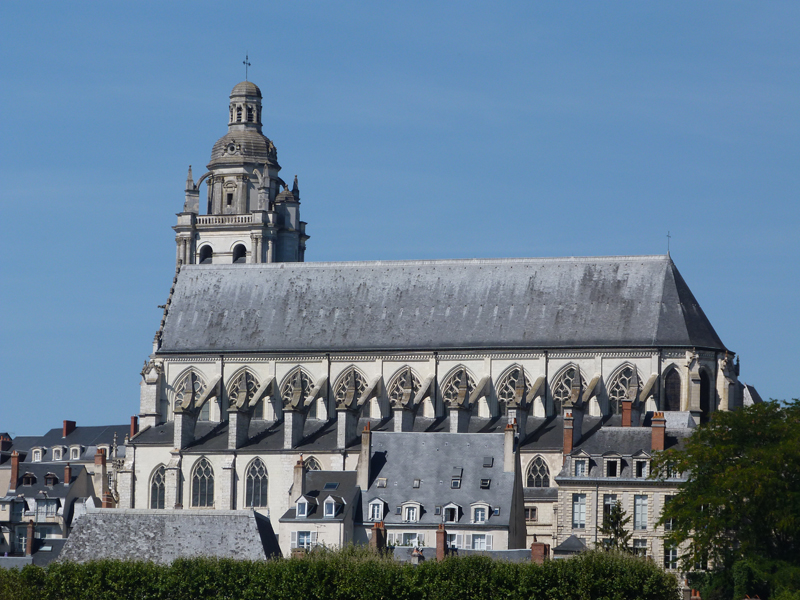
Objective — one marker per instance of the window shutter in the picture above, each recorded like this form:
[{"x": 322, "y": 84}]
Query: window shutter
[
  {"x": 488, "y": 542},
  {"x": 468, "y": 541},
  {"x": 313, "y": 538},
  {"x": 294, "y": 539},
  {"x": 459, "y": 540}
]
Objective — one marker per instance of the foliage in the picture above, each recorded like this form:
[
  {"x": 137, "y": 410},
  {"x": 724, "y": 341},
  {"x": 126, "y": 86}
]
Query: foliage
[
  {"x": 738, "y": 514},
  {"x": 614, "y": 529},
  {"x": 349, "y": 574}
]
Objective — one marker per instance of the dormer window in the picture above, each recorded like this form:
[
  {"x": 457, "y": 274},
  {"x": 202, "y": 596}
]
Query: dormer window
[
  {"x": 613, "y": 467},
  {"x": 29, "y": 479},
  {"x": 410, "y": 514},
  {"x": 451, "y": 513},
  {"x": 330, "y": 508},
  {"x": 455, "y": 483},
  {"x": 57, "y": 453},
  {"x": 37, "y": 455},
  {"x": 302, "y": 508},
  {"x": 376, "y": 510},
  {"x": 640, "y": 468},
  {"x": 50, "y": 479},
  {"x": 381, "y": 482},
  {"x": 479, "y": 514},
  {"x": 485, "y": 483},
  {"x": 74, "y": 453},
  {"x": 580, "y": 467}
]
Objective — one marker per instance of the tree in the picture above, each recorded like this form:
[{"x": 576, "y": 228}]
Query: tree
[
  {"x": 741, "y": 501},
  {"x": 614, "y": 532}
]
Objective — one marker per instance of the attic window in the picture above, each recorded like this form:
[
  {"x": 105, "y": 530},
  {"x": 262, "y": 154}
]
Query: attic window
[
  {"x": 416, "y": 483},
  {"x": 580, "y": 468},
  {"x": 641, "y": 468},
  {"x": 455, "y": 483},
  {"x": 56, "y": 453},
  {"x": 376, "y": 511},
  {"x": 381, "y": 482},
  {"x": 37, "y": 455},
  {"x": 302, "y": 509},
  {"x": 330, "y": 509},
  {"x": 488, "y": 461},
  {"x": 75, "y": 453},
  {"x": 450, "y": 514},
  {"x": 496, "y": 512},
  {"x": 612, "y": 468},
  {"x": 50, "y": 479},
  {"x": 229, "y": 199},
  {"x": 485, "y": 483},
  {"x": 399, "y": 510},
  {"x": 437, "y": 510},
  {"x": 331, "y": 485},
  {"x": 28, "y": 479}
]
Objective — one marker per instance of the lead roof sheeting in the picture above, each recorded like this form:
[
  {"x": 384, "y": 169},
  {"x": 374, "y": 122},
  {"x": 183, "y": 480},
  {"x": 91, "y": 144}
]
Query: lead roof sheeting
[{"x": 417, "y": 305}]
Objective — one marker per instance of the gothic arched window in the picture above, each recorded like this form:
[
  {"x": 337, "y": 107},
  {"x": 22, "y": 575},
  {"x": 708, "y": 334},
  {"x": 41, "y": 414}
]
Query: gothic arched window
[
  {"x": 562, "y": 390},
  {"x": 190, "y": 388},
  {"x": 256, "y": 485},
  {"x": 203, "y": 484},
  {"x": 705, "y": 396},
  {"x": 453, "y": 383},
  {"x": 157, "y": 487},
  {"x": 340, "y": 388},
  {"x": 538, "y": 474},
  {"x": 404, "y": 379},
  {"x": 297, "y": 385},
  {"x": 507, "y": 389},
  {"x": 241, "y": 392},
  {"x": 672, "y": 391},
  {"x": 619, "y": 388},
  {"x": 312, "y": 464}
]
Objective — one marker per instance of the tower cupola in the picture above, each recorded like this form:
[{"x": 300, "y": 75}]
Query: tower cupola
[{"x": 245, "y": 107}]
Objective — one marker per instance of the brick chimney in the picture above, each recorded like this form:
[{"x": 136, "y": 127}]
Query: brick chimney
[
  {"x": 67, "y": 474},
  {"x": 12, "y": 485},
  {"x": 299, "y": 479},
  {"x": 568, "y": 434},
  {"x": 69, "y": 427},
  {"x": 377, "y": 542},
  {"x": 134, "y": 426},
  {"x": 441, "y": 543},
  {"x": 362, "y": 470},
  {"x": 658, "y": 431},
  {"x": 29, "y": 539},
  {"x": 626, "y": 412},
  {"x": 540, "y": 552},
  {"x": 5, "y": 442}
]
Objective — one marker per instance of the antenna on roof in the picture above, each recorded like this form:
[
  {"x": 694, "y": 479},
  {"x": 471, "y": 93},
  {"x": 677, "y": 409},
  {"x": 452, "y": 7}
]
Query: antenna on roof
[
  {"x": 668, "y": 237},
  {"x": 246, "y": 63}
]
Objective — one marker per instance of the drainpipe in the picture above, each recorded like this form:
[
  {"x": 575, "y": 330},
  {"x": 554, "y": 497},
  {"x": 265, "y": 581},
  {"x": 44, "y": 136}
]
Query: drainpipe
[
  {"x": 435, "y": 381},
  {"x": 596, "y": 500}
]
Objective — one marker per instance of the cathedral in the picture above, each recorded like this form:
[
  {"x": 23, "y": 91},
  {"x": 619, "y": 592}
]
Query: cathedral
[{"x": 508, "y": 399}]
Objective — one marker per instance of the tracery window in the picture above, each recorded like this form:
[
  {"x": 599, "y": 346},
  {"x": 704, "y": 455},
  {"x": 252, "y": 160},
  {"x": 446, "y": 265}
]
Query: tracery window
[
  {"x": 245, "y": 384},
  {"x": 672, "y": 391},
  {"x": 340, "y": 389},
  {"x": 256, "y": 485},
  {"x": 300, "y": 382},
  {"x": 538, "y": 473},
  {"x": 618, "y": 390},
  {"x": 312, "y": 464},
  {"x": 507, "y": 390},
  {"x": 203, "y": 484},
  {"x": 562, "y": 389},
  {"x": 454, "y": 382},
  {"x": 158, "y": 487},
  {"x": 398, "y": 384},
  {"x": 191, "y": 386}
]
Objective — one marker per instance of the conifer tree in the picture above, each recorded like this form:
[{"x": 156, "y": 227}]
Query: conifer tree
[{"x": 614, "y": 532}]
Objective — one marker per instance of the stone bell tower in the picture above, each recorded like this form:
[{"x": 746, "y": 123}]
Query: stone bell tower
[{"x": 251, "y": 214}]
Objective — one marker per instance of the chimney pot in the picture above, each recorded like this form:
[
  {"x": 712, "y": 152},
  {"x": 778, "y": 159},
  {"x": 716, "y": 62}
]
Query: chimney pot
[
  {"x": 134, "y": 426},
  {"x": 12, "y": 485}
]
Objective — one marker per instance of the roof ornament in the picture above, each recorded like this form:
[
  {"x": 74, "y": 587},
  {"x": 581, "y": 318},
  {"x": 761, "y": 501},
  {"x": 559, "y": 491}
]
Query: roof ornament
[
  {"x": 246, "y": 63},
  {"x": 295, "y": 189}
]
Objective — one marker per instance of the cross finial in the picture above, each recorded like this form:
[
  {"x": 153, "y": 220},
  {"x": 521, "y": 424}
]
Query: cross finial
[
  {"x": 246, "y": 63},
  {"x": 668, "y": 238}
]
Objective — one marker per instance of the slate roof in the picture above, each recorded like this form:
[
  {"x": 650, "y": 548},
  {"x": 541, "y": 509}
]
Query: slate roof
[
  {"x": 40, "y": 471},
  {"x": 161, "y": 536},
  {"x": 401, "y": 458},
  {"x": 315, "y": 490},
  {"x": 572, "y": 545},
  {"x": 616, "y": 302},
  {"x": 87, "y": 436}
]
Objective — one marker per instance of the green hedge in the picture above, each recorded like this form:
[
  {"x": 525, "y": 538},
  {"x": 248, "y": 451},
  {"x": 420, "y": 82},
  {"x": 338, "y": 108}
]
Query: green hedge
[{"x": 348, "y": 574}]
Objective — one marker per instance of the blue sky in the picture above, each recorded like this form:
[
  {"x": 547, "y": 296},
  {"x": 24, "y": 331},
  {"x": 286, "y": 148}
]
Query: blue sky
[{"x": 417, "y": 130}]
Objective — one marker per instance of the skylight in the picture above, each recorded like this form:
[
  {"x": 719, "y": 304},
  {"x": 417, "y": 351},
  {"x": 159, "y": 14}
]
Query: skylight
[{"x": 331, "y": 485}]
